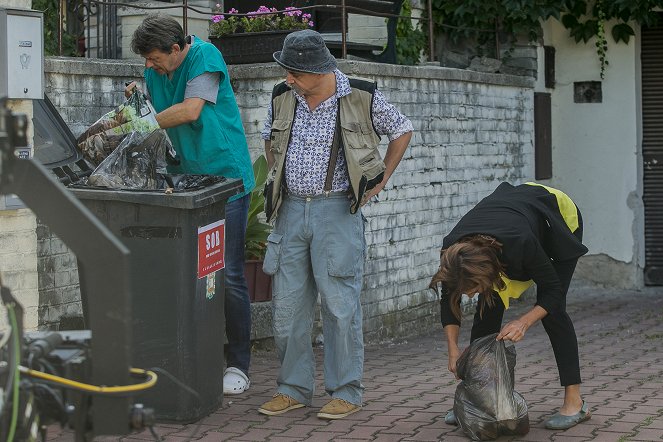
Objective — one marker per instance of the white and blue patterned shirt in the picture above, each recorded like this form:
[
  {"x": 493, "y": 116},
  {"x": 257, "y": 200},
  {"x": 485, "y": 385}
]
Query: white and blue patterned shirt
[{"x": 308, "y": 153}]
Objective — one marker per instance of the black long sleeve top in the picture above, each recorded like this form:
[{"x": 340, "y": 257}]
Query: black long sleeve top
[{"x": 526, "y": 219}]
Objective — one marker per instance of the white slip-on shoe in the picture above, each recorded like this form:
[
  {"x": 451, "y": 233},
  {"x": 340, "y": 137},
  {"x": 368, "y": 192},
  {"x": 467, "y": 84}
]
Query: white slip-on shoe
[{"x": 235, "y": 381}]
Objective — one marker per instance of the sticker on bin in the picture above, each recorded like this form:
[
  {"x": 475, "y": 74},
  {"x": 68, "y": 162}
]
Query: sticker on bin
[{"x": 211, "y": 242}]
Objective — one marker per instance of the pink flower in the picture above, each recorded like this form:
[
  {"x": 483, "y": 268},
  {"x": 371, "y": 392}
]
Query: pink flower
[
  {"x": 217, "y": 18},
  {"x": 293, "y": 12}
]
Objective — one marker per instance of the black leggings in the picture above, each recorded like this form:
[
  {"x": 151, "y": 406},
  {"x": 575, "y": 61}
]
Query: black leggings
[{"x": 557, "y": 324}]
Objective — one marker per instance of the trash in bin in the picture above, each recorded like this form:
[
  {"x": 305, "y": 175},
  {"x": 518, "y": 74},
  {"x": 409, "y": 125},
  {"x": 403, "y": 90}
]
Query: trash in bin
[
  {"x": 486, "y": 405},
  {"x": 109, "y": 133},
  {"x": 135, "y": 162}
]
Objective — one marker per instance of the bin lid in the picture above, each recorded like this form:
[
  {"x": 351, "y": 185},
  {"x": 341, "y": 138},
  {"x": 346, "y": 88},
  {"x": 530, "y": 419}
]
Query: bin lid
[
  {"x": 190, "y": 199},
  {"x": 54, "y": 144}
]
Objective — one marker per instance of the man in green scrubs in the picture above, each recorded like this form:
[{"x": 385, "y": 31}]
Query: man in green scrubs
[{"x": 187, "y": 81}]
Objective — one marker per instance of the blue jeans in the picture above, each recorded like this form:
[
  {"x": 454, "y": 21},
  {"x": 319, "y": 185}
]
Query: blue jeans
[
  {"x": 237, "y": 304},
  {"x": 318, "y": 246}
]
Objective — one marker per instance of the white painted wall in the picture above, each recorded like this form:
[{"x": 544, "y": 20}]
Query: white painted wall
[
  {"x": 18, "y": 248},
  {"x": 596, "y": 146},
  {"x": 22, "y": 4},
  {"x": 18, "y": 238}
]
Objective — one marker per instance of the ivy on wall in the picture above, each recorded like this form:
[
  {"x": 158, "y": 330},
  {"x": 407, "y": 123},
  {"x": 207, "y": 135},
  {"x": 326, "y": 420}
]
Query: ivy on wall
[
  {"x": 486, "y": 20},
  {"x": 410, "y": 40}
]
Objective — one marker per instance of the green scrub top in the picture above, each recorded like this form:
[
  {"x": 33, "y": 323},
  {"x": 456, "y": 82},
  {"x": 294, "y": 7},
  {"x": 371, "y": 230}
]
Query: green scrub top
[{"x": 214, "y": 144}]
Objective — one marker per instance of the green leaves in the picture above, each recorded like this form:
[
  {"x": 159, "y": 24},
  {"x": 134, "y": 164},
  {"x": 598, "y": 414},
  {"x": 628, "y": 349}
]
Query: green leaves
[
  {"x": 622, "y": 32},
  {"x": 51, "y": 9},
  {"x": 410, "y": 41},
  {"x": 483, "y": 20},
  {"x": 584, "y": 31},
  {"x": 256, "y": 230}
]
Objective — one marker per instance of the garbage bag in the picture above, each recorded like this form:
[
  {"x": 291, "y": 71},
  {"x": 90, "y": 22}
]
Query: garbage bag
[
  {"x": 136, "y": 163},
  {"x": 187, "y": 182},
  {"x": 136, "y": 114},
  {"x": 485, "y": 404}
]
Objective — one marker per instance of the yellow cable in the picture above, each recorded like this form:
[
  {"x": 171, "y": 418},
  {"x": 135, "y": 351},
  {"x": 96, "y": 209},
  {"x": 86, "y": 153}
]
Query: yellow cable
[{"x": 152, "y": 379}]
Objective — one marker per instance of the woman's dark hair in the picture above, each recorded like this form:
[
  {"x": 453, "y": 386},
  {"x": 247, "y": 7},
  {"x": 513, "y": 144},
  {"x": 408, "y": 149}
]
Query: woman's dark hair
[
  {"x": 158, "y": 31},
  {"x": 470, "y": 264}
]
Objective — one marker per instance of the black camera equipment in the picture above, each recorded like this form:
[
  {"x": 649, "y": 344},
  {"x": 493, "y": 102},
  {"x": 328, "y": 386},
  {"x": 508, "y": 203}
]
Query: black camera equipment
[{"x": 81, "y": 379}]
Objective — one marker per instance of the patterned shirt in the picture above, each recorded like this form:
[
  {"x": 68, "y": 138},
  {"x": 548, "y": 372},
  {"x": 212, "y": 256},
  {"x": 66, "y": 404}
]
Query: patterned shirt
[{"x": 309, "y": 150}]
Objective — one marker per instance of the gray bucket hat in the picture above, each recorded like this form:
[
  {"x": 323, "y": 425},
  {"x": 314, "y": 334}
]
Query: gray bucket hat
[{"x": 305, "y": 51}]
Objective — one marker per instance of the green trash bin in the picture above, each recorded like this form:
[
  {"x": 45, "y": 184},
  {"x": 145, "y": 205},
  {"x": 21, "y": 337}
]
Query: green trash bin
[{"x": 177, "y": 279}]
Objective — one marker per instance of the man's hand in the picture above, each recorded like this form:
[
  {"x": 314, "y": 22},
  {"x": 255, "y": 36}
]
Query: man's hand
[
  {"x": 371, "y": 193},
  {"x": 130, "y": 89}
]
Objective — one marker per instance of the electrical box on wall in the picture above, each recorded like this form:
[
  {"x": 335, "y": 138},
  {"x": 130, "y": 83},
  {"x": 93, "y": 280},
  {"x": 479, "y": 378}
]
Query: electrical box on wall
[{"x": 21, "y": 54}]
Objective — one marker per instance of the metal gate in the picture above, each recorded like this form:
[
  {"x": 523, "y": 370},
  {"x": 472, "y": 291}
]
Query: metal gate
[{"x": 652, "y": 150}]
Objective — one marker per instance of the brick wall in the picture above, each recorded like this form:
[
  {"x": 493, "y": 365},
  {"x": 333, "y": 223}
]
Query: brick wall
[{"x": 472, "y": 131}]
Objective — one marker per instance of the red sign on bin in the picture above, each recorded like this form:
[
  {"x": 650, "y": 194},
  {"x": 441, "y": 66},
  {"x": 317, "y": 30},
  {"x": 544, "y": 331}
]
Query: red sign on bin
[{"x": 211, "y": 248}]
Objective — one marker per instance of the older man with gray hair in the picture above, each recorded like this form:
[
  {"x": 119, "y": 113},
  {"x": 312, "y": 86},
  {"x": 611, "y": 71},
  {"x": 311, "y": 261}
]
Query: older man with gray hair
[{"x": 321, "y": 141}]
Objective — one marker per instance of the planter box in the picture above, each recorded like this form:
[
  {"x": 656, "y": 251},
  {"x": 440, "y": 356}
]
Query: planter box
[
  {"x": 251, "y": 47},
  {"x": 259, "y": 283}
]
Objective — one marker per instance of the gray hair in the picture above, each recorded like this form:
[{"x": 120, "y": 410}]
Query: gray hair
[{"x": 158, "y": 31}]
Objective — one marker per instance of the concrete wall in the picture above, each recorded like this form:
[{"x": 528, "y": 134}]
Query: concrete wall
[
  {"x": 597, "y": 153},
  {"x": 472, "y": 131}
]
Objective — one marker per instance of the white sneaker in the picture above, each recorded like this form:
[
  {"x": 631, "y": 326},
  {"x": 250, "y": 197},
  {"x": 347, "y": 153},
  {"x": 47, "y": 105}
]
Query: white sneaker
[{"x": 235, "y": 381}]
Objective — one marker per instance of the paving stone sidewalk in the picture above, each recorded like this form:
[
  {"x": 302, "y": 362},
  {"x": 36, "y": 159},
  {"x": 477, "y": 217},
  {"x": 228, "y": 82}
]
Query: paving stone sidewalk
[{"x": 409, "y": 390}]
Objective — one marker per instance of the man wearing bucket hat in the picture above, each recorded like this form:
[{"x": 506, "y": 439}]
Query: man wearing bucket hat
[{"x": 321, "y": 137}]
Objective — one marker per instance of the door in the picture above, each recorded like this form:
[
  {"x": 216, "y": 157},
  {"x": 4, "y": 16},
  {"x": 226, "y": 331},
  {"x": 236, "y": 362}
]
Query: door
[{"x": 652, "y": 150}]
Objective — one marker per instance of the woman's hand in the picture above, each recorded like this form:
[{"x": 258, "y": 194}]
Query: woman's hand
[
  {"x": 513, "y": 331},
  {"x": 454, "y": 354}
]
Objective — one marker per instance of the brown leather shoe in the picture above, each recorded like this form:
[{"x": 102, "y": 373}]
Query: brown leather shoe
[
  {"x": 337, "y": 409},
  {"x": 279, "y": 404}
]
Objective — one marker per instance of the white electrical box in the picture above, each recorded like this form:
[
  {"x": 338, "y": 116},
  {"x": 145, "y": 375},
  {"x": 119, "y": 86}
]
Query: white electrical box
[{"x": 21, "y": 54}]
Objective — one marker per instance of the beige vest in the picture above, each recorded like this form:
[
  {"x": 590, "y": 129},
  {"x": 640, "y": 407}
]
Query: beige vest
[{"x": 358, "y": 139}]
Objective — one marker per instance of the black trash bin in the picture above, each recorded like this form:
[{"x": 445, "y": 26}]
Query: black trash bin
[{"x": 177, "y": 278}]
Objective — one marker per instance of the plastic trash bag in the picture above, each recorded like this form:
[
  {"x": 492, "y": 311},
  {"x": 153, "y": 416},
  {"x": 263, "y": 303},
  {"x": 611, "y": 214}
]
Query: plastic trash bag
[
  {"x": 486, "y": 405},
  {"x": 137, "y": 163},
  {"x": 188, "y": 182},
  {"x": 136, "y": 114}
]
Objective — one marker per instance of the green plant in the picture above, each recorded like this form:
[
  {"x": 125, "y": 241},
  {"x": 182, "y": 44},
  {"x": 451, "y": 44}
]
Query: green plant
[
  {"x": 51, "y": 10},
  {"x": 485, "y": 21},
  {"x": 410, "y": 40},
  {"x": 257, "y": 230},
  {"x": 264, "y": 19}
]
